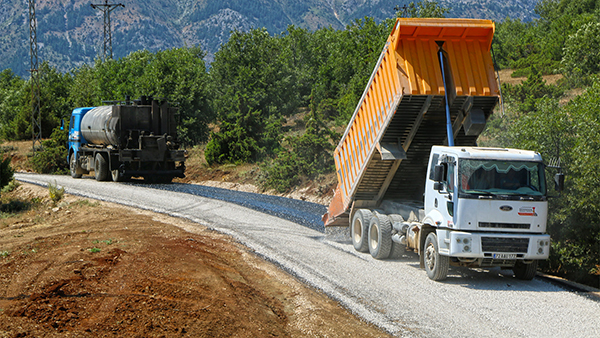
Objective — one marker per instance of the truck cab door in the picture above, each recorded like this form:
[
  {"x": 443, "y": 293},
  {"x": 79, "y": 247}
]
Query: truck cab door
[{"x": 444, "y": 193}]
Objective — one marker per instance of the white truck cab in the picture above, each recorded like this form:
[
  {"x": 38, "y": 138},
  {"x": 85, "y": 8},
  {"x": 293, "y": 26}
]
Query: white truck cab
[{"x": 488, "y": 205}]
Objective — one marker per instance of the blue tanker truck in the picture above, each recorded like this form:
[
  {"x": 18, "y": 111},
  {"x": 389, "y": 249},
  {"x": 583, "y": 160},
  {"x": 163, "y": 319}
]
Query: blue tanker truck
[{"x": 126, "y": 139}]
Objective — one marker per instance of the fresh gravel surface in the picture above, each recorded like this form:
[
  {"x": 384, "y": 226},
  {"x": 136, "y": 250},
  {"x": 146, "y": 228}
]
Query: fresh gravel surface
[{"x": 393, "y": 294}]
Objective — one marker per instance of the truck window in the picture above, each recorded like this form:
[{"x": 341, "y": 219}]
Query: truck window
[
  {"x": 434, "y": 161},
  {"x": 451, "y": 164},
  {"x": 501, "y": 177}
]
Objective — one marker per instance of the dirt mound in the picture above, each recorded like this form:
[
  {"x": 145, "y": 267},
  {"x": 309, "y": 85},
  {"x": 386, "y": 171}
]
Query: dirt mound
[{"x": 96, "y": 269}]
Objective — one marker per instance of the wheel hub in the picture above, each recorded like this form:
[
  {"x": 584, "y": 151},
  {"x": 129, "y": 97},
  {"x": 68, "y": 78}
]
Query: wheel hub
[{"x": 430, "y": 256}]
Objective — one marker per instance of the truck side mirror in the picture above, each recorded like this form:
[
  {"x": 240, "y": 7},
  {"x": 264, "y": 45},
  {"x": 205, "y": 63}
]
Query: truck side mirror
[
  {"x": 62, "y": 124},
  {"x": 438, "y": 173},
  {"x": 559, "y": 182}
]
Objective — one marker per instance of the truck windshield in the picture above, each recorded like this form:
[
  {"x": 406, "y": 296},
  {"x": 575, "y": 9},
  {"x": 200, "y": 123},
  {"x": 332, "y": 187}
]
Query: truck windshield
[{"x": 489, "y": 177}]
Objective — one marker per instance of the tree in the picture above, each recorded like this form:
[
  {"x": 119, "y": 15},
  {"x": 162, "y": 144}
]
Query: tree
[
  {"x": 526, "y": 95},
  {"x": 15, "y": 105},
  {"x": 424, "y": 9},
  {"x": 581, "y": 54},
  {"x": 253, "y": 90},
  {"x": 178, "y": 75}
]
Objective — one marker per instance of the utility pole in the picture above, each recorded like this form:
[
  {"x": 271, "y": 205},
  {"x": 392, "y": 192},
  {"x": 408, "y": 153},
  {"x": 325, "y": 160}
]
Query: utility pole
[
  {"x": 36, "y": 116},
  {"x": 106, "y": 8},
  {"x": 404, "y": 10}
]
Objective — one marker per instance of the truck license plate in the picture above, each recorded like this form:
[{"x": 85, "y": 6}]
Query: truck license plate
[{"x": 505, "y": 256}]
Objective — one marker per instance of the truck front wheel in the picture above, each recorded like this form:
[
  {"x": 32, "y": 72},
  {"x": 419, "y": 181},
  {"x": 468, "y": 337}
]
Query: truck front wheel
[
  {"x": 436, "y": 265},
  {"x": 380, "y": 236},
  {"x": 359, "y": 229},
  {"x": 525, "y": 271},
  {"x": 101, "y": 167},
  {"x": 73, "y": 167}
]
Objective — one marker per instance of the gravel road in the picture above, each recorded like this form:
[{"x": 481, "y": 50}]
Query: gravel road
[{"x": 393, "y": 294}]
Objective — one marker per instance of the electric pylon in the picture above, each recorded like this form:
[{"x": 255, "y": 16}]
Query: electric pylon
[
  {"x": 106, "y": 8},
  {"x": 36, "y": 116}
]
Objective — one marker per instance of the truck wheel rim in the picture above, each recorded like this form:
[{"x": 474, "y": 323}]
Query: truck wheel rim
[
  {"x": 374, "y": 236},
  {"x": 357, "y": 231},
  {"x": 430, "y": 256}
]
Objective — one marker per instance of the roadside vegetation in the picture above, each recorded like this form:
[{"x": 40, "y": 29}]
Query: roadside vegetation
[{"x": 280, "y": 103}]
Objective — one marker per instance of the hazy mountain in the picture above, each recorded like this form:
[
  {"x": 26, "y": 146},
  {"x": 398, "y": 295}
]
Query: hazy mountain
[{"x": 70, "y": 32}]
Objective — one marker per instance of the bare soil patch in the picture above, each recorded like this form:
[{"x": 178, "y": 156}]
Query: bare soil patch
[{"x": 84, "y": 268}]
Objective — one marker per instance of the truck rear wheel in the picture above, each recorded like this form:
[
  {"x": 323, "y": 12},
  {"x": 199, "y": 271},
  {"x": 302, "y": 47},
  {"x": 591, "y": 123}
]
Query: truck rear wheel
[
  {"x": 525, "y": 271},
  {"x": 101, "y": 167},
  {"x": 117, "y": 176},
  {"x": 398, "y": 250},
  {"x": 436, "y": 265},
  {"x": 380, "y": 236},
  {"x": 73, "y": 166},
  {"x": 359, "y": 229}
]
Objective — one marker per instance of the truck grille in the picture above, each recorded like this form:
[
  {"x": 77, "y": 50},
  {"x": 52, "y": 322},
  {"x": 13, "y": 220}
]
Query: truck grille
[
  {"x": 504, "y": 225},
  {"x": 503, "y": 244}
]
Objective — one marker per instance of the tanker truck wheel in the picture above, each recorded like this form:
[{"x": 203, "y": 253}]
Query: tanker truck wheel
[
  {"x": 380, "y": 236},
  {"x": 359, "y": 229},
  {"x": 73, "y": 167},
  {"x": 117, "y": 176},
  {"x": 101, "y": 167},
  {"x": 525, "y": 271},
  {"x": 436, "y": 265}
]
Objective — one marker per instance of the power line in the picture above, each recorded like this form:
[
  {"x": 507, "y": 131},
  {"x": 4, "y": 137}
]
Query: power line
[
  {"x": 106, "y": 8},
  {"x": 36, "y": 116}
]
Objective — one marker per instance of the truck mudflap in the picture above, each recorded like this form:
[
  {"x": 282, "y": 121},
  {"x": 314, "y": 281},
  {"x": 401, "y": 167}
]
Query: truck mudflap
[{"x": 495, "y": 246}]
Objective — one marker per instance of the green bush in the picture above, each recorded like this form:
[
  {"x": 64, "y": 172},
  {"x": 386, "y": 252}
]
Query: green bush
[
  {"x": 307, "y": 156},
  {"x": 12, "y": 185},
  {"x": 55, "y": 193},
  {"x": 14, "y": 206},
  {"x": 6, "y": 172},
  {"x": 53, "y": 158}
]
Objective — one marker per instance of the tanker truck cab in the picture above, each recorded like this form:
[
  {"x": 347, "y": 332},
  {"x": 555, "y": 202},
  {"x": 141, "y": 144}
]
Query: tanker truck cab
[
  {"x": 488, "y": 207},
  {"x": 75, "y": 140}
]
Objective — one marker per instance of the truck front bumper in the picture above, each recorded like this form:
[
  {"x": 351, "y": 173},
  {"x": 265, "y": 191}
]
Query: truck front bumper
[{"x": 495, "y": 246}]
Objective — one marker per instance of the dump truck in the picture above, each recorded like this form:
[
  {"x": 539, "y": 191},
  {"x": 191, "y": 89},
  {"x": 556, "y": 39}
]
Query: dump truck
[
  {"x": 410, "y": 175},
  {"x": 126, "y": 139}
]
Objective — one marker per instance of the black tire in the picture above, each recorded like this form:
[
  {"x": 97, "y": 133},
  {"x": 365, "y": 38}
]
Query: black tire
[
  {"x": 359, "y": 229},
  {"x": 398, "y": 250},
  {"x": 436, "y": 265},
  {"x": 525, "y": 271},
  {"x": 74, "y": 167},
  {"x": 380, "y": 236},
  {"x": 101, "y": 167}
]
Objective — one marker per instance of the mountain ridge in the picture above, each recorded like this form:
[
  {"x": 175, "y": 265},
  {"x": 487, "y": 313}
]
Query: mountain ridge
[{"x": 70, "y": 32}]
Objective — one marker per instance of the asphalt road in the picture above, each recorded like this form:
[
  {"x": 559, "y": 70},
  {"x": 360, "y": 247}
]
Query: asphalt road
[{"x": 392, "y": 294}]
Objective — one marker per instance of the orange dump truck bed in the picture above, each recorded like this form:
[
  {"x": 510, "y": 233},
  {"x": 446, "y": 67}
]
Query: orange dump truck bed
[{"x": 402, "y": 113}]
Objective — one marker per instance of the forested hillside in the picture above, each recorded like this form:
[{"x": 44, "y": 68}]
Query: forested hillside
[
  {"x": 70, "y": 32},
  {"x": 276, "y": 101}
]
